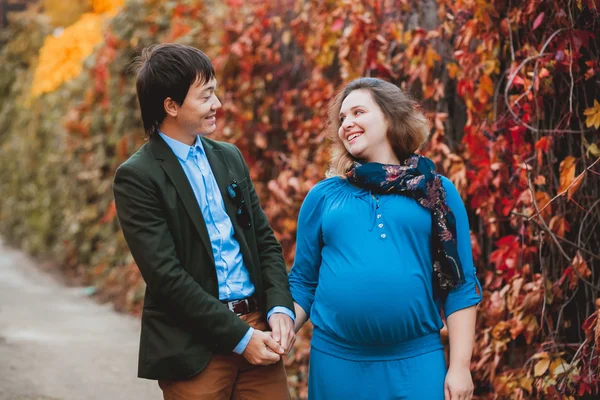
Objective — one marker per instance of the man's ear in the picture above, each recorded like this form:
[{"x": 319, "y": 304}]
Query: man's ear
[{"x": 171, "y": 107}]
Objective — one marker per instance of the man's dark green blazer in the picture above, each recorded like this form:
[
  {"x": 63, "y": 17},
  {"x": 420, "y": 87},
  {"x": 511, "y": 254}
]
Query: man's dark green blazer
[{"x": 183, "y": 321}]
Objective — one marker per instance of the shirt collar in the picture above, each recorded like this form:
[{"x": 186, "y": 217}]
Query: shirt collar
[{"x": 180, "y": 149}]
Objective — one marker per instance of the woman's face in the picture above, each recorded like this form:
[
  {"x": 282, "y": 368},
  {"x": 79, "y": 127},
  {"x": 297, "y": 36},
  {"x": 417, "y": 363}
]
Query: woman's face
[{"x": 363, "y": 127}]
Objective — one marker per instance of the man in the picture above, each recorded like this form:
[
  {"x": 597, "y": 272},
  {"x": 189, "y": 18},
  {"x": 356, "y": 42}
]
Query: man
[{"x": 214, "y": 271}]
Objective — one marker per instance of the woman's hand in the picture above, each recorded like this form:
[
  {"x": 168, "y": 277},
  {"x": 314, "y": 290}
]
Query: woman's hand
[{"x": 458, "y": 384}]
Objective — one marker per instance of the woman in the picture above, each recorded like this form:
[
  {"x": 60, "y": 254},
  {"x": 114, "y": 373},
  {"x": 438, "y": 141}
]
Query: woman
[{"x": 381, "y": 246}]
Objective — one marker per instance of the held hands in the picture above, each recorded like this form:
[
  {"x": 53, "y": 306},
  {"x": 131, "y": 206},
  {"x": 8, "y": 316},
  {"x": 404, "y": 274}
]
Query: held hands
[
  {"x": 458, "y": 384},
  {"x": 266, "y": 348},
  {"x": 283, "y": 331},
  {"x": 262, "y": 349}
]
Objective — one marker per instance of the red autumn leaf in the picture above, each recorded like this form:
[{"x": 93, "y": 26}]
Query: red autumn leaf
[
  {"x": 538, "y": 21},
  {"x": 337, "y": 25}
]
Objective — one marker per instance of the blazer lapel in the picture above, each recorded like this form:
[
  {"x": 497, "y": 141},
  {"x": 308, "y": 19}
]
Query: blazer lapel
[
  {"x": 173, "y": 169},
  {"x": 220, "y": 170}
]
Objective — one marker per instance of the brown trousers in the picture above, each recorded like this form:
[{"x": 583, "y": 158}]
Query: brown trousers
[{"x": 231, "y": 377}]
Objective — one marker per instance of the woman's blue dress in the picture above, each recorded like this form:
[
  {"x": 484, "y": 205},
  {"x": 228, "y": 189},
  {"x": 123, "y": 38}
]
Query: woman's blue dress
[{"x": 363, "y": 272}]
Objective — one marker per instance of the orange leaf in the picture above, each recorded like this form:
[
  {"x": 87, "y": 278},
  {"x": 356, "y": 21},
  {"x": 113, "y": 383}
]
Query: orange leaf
[
  {"x": 559, "y": 225},
  {"x": 540, "y": 180},
  {"x": 544, "y": 144},
  {"x": 582, "y": 269},
  {"x": 542, "y": 199},
  {"x": 486, "y": 84},
  {"x": 109, "y": 214},
  {"x": 567, "y": 173},
  {"x": 576, "y": 183},
  {"x": 122, "y": 148},
  {"x": 581, "y": 266}
]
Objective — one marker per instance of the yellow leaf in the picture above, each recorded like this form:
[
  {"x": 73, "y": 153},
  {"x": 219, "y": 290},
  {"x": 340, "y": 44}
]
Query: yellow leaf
[
  {"x": 567, "y": 173},
  {"x": 431, "y": 57},
  {"x": 594, "y": 150},
  {"x": 452, "y": 70},
  {"x": 558, "y": 366},
  {"x": 543, "y": 354},
  {"x": 526, "y": 383},
  {"x": 593, "y": 115},
  {"x": 541, "y": 367}
]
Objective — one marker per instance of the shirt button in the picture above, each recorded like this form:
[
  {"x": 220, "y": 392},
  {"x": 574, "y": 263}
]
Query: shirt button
[
  {"x": 378, "y": 216},
  {"x": 383, "y": 236},
  {"x": 380, "y": 225},
  {"x": 210, "y": 197}
]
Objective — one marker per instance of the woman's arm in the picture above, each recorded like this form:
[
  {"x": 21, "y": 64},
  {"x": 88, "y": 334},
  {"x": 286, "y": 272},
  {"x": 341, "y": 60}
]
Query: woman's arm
[
  {"x": 301, "y": 317},
  {"x": 304, "y": 276},
  {"x": 460, "y": 307},
  {"x": 461, "y": 332}
]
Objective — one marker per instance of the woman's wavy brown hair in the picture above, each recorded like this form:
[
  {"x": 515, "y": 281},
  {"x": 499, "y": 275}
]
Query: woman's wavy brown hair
[{"x": 408, "y": 128}]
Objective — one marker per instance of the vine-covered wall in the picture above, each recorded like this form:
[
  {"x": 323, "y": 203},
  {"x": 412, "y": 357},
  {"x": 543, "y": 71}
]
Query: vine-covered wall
[{"x": 511, "y": 90}]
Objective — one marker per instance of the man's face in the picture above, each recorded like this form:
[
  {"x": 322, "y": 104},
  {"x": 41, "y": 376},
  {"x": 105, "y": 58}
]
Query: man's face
[{"x": 197, "y": 114}]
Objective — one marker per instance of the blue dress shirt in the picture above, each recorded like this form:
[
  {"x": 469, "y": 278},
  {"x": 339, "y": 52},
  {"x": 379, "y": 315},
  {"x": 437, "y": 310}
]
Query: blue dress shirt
[{"x": 232, "y": 275}]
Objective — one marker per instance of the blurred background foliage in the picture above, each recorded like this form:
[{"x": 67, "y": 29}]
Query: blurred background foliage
[{"x": 511, "y": 90}]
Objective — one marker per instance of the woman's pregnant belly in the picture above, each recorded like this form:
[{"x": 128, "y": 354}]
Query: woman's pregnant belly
[{"x": 375, "y": 304}]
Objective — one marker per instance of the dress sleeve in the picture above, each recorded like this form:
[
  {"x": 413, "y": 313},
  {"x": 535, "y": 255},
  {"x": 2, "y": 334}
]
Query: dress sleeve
[
  {"x": 305, "y": 271},
  {"x": 468, "y": 293}
]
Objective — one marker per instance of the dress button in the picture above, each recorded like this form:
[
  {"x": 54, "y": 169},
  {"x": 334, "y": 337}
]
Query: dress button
[
  {"x": 380, "y": 225},
  {"x": 378, "y": 216},
  {"x": 383, "y": 236}
]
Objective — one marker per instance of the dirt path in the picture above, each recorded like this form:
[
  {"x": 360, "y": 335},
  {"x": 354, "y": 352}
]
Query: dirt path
[{"x": 56, "y": 343}]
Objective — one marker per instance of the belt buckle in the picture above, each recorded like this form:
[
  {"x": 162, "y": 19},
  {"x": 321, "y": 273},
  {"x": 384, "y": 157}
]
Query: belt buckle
[{"x": 230, "y": 306}]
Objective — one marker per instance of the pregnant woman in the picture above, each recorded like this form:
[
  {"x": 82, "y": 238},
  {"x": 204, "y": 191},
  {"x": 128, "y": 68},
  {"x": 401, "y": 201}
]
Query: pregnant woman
[{"x": 382, "y": 245}]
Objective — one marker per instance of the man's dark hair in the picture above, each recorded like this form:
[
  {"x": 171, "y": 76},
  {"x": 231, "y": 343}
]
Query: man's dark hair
[{"x": 167, "y": 70}]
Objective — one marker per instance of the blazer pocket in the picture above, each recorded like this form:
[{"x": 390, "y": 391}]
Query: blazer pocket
[{"x": 162, "y": 338}]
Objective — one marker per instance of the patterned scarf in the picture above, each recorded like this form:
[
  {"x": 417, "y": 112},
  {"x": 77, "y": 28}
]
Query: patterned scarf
[{"x": 417, "y": 179}]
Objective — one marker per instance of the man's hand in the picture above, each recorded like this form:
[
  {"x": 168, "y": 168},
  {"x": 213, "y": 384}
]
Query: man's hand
[
  {"x": 262, "y": 349},
  {"x": 283, "y": 330}
]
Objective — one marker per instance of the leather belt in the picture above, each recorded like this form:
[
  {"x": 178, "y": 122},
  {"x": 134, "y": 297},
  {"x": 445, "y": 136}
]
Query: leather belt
[{"x": 243, "y": 306}]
